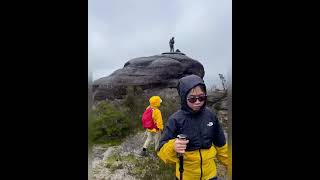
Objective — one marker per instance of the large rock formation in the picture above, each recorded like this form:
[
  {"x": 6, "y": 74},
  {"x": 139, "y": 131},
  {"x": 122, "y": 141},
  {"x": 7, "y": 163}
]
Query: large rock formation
[{"x": 154, "y": 72}]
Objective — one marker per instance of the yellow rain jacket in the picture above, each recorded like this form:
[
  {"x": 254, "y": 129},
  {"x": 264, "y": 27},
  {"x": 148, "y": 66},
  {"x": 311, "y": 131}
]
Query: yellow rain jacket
[{"x": 155, "y": 102}]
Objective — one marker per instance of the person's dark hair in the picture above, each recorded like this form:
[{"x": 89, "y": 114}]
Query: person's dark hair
[{"x": 202, "y": 87}]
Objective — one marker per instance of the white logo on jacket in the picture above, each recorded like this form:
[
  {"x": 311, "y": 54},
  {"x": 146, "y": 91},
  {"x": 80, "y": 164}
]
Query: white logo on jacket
[{"x": 210, "y": 124}]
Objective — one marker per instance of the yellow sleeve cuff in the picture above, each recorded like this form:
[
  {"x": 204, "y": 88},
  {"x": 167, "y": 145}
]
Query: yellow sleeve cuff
[{"x": 167, "y": 153}]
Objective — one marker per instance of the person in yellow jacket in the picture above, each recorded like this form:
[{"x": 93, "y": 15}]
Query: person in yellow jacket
[
  {"x": 205, "y": 137},
  {"x": 154, "y": 133}
]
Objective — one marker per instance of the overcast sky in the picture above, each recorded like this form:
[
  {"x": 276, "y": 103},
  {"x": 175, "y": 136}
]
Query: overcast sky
[{"x": 120, "y": 30}]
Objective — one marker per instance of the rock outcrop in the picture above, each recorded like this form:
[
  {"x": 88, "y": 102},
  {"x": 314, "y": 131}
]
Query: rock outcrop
[{"x": 154, "y": 72}]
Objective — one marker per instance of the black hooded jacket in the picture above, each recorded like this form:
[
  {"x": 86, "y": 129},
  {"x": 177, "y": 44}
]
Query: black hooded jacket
[{"x": 202, "y": 128}]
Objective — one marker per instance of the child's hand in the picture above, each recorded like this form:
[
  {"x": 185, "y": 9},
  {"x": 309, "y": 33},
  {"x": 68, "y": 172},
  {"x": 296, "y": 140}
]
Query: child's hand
[{"x": 180, "y": 145}]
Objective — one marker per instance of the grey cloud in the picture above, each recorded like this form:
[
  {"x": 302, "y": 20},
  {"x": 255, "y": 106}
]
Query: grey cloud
[{"x": 123, "y": 30}]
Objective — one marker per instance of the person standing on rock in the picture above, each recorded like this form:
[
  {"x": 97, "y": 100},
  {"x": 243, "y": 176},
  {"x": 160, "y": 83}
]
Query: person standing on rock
[
  {"x": 205, "y": 137},
  {"x": 153, "y": 132},
  {"x": 171, "y": 44}
]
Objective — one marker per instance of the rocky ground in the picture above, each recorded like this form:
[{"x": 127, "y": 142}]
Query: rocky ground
[{"x": 124, "y": 162}]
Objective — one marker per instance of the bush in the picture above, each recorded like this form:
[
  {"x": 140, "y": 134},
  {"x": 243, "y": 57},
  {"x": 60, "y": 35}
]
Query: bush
[
  {"x": 168, "y": 107},
  {"x": 91, "y": 117},
  {"x": 108, "y": 124},
  {"x": 134, "y": 105}
]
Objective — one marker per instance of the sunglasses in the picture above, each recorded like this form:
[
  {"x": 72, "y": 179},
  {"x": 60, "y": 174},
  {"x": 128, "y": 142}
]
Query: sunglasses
[{"x": 193, "y": 99}]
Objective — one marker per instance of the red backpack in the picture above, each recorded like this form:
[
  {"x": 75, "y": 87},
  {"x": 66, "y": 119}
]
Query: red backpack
[{"x": 147, "y": 120}]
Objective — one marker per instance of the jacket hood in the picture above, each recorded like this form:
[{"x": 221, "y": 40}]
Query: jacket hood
[
  {"x": 155, "y": 101},
  {"x": 185, "y": 84}
]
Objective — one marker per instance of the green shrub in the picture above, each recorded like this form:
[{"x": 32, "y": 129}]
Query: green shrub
[
  {"x": 91, "y": 117},
  {"x": 134, "y": 105},
  {"x": 168, "y": 107},
  {"x": 108, "y": 124}
]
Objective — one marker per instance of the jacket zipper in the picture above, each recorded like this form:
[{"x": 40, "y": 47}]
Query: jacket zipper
[
  {"x": 201, "y": 141},
  {"x": 200, "y": 164}
]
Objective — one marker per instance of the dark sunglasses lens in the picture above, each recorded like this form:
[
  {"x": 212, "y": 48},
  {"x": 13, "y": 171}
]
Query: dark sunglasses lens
[{"x": 192, "y": 100}]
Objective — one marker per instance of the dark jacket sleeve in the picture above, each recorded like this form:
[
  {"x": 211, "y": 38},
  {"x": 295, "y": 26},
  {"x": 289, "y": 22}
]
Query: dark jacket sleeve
[
  {"x": 219, "y": 139},
  {"x": 166, "y": 145},
  {"x": 169, "y": 132}
]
